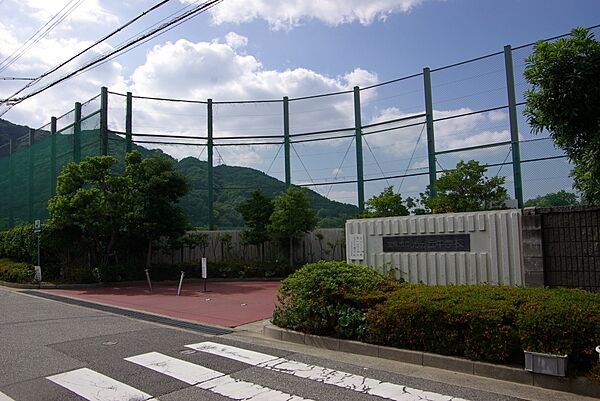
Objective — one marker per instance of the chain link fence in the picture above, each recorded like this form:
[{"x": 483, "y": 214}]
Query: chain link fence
[{"x": 346, "y": 146}]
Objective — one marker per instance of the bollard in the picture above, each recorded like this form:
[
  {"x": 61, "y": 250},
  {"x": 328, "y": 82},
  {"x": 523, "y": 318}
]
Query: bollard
[
  {"x": 598, "y": 351},
  {"x": 180, "y": 283},
  {"x": 148, "y": 279}
]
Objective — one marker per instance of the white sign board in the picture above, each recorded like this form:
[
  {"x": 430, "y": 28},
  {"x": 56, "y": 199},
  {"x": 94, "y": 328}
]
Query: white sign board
[
  {"x": 37, "y": 226},
  {"x": 356, "y": 247},
  {"x": 38, "y": 273},
  {"x": 204, "y": 268}
]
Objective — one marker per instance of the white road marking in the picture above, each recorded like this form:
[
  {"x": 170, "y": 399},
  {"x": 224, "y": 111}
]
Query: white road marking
[
  {"x": 321, "y": 374},
  {"x": 4, "y": 397},
  {"x": 209, "y": 379},
  {"x": 94, "y": 386}
]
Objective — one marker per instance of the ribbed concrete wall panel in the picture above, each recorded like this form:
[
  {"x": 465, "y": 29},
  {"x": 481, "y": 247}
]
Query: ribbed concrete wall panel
[{"x": 494, "y": 254}]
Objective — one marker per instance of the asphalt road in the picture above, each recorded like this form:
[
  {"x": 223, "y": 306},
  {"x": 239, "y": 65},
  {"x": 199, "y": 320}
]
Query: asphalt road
[{"x": 54, "y": 351}]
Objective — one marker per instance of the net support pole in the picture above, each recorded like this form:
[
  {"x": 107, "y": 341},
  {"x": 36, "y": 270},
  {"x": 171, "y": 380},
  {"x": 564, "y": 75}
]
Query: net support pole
[
  {"x": 104, "y": 121},
  {"x": 31, "y": 161},
  {"x": 286, "y": 141},
  {"x": 53, "y": 171},
  {"x": 77, "y": 134},
  {"x": 209, "y": 145},
  {"x": 430, "y": 132},
  {"x": 129, "y": 122},
  {"x": 11, "y": 183},
  {"x": 360, "y": 183},
  {"x": 514, "y": 125}
]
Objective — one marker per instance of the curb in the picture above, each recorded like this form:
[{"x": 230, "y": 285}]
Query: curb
[
  {"x": 48, "y": 286},
  {"x": 577, "y": 385}
]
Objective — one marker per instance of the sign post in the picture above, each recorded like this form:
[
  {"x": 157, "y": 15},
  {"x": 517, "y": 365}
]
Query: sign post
[
  {"x": 37, "y": 228},
  {"x": 204, "y": 272}
]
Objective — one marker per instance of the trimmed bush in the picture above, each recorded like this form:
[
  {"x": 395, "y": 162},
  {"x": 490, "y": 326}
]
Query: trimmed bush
[
  {"x": 16, "y": 272},
  {"x": 485, "y": 323},
  {"x": 326, "y": 297}
]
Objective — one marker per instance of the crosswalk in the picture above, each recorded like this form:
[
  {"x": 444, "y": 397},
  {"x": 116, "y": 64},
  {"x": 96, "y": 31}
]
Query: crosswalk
[{"x": 94, "y": 386}]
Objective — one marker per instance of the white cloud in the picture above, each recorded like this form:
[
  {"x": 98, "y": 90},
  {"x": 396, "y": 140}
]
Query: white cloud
[
  {"x": 89, "y": 11},
  {"x": 453, "y": 133},
  {"x": 287, "y": 14},
  {"x": 235, "y": 41}
]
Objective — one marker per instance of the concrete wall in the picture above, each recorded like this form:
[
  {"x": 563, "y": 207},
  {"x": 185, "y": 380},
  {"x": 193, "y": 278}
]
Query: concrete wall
[{"x": 493, "y": 255}]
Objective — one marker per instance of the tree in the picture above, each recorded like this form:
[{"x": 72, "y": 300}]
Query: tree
[
  {"x": 292, "y": 216},
  {"x": 156, "y": 188},
  {"x": 560, "y": 198},
  {"x": 91, "y": 206},
  {"x": 388, "y": 204},
  {"x": 564, "y": 100},
  {"x": 466, "y": 189},
  {"x": 97, "y": 208},
  {"x": 256, "y": 211}
]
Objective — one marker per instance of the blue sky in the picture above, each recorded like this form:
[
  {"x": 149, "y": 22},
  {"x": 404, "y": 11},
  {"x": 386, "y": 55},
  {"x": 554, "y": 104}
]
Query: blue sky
[{"x": 259, "y": 49}]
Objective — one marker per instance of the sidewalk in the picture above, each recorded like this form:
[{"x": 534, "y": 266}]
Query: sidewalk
[{"x": 225, "y": 304}]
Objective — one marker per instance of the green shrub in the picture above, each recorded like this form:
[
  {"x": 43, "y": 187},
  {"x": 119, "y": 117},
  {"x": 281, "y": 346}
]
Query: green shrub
[
  {"x": 18, "y": 243},
  {"x": 485, "y": 323},
  {"x": 16, "y": 272},
  {"x": 327, "y": 297},
  {"x": 562, "y": 321}
]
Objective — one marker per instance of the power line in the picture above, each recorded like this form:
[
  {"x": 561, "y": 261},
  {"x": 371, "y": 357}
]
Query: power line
[
  {"x": 151, "y": 34},
  {"x": 39, "y": 34},
  {"x": 96, "y": 43}
]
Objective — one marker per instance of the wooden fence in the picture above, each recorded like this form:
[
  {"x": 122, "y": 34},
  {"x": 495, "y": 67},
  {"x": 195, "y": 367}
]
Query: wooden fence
[{"x": 227, "y": 245}]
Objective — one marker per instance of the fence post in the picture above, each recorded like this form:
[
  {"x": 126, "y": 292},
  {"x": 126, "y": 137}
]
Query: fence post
[
  {"x": 286, "y": 141},
  {"x": 514, "y": 125},
  {"x": 31, "y": 155},
  {"x": 430, "y": 132},
  {"x": 209, "y": 144},
  {"x": 11, "y": 183},
  {"x": 128, "y": 122},
  {"x": 77, "y": 134},
  {"x": 53, "y": 156},
  {"x": 104, "y": 121},
  {"x": 359, "y": 155}
]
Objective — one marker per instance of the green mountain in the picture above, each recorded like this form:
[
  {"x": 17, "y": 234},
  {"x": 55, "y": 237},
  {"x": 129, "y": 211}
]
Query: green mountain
[{"x": 232, "y": 184}]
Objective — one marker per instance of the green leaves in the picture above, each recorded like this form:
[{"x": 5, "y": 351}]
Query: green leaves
[
  {"x": 388, "y": 204},
  {"x": 95, "y": 208},
  {"x": 466, "y": 189},
  {"x": 292, "y": 215},
  {"x": 564, "y": 100},
  {"x": 256, "y": 211}
]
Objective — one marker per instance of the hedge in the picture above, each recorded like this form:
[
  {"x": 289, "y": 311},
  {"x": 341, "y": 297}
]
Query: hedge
[
  {"x": 16, "y": 272},
  {"x": 484, "y": 323}
]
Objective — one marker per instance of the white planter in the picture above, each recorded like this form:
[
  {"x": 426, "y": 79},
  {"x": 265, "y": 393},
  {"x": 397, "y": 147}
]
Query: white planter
[{"x": 547, "y": 364}]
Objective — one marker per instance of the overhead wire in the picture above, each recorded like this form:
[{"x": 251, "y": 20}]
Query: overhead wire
[
  {"x": 119, "y": 50},
  {"x": 33, "y": 40},
  {"x": 88, "y": 48}
]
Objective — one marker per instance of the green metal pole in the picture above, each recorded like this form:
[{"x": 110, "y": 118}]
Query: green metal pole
[
  {"x": 129, "y": 123},
  {"x": 11, "y": 183},
  {"x": 31, "y": 156},
  {"x": 104, "y": 121},
  {"x": 53, "y": 172},
  {"x": 359, "y": 153},
  {"x": 514, "y": 125},
  {"x": 286, "y": 141},
  {"x": 210, "y": 163},
  {"x": 430, "y": 132},
  {"x": 77, "y": 134}
]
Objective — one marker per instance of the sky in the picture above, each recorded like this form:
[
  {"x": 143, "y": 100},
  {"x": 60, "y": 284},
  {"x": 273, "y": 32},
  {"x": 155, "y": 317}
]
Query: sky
[{"x": 260, "y": 49}]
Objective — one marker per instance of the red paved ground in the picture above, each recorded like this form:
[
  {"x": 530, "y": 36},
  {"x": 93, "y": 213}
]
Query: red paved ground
[{"x": 227, "y": 304}]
